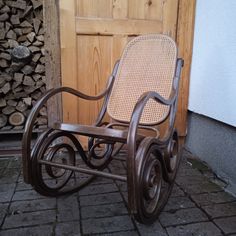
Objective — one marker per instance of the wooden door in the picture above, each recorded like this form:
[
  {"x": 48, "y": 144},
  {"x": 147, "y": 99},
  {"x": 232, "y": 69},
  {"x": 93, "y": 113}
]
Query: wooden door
[{"x": 94, "y": 33}]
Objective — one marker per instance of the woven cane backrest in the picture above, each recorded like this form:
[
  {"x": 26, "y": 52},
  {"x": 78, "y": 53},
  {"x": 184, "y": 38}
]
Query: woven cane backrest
[{"x": 147, "y": 64}]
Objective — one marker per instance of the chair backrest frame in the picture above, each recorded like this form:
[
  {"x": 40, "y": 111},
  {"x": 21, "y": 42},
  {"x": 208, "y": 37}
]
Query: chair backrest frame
[{"x": 148, "y": 63}]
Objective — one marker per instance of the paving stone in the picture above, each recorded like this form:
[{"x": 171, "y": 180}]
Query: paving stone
[
  {"x": 27, "y": 195},
  {"x": 176, "y": 191},
  {"x": 228, "y": 225},
  {"x": 23, "y": 186},
  {"x": 33, "y": 205},
  {"x": 100, "y": 199},
  {"x": 188, "y": 172},
  {"x": 30, "y": 219},
  {"x": 103, "y": 211},
  {"x": 1, "y": 171},
  {"x": 5, "y": 196},
  {"x": 116, "y": 209},
  {"x": 117, "y": 167},
  {"x": 45, "y": 230},
  {"x": 9, "y": 176},
  {"x": 102, "y": 181},
  {"x": 107, "y": 225},
  {"x": 122, "y": 186},
  {"x": 212, "y": 198},
  {"x": 202, "y": 188},
  {"x": 122, "y": 233},
  {"x": 97, "y": 189},
  {"x": 3, "y": 211},
  {"x": 67, "y": 208},
  {"x": 183, "y": 216},
  {"x": 151, "y": 230},
  {"x": 175, "y": 203},
  {"x": 221, "y": 210},
  {"x": 4, "y": 162},
  {"x": 14, "y": 163},
  {"x": 197, "y": 229},
  {"x": 191, "y": 180},
  {"x": 7, "y": 187},
  {"x": 68, "y": 228}
]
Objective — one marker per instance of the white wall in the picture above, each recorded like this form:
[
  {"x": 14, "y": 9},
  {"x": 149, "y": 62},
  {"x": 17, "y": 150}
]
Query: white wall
[{"x": 213, "y": 73}]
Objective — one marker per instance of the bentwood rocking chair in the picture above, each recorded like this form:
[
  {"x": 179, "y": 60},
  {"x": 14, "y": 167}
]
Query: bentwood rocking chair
[{"x": 141, "y": 93}]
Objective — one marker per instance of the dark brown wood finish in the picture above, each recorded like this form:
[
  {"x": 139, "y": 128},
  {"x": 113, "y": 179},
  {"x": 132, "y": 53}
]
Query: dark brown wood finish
[{"x": 152, "y": 162}]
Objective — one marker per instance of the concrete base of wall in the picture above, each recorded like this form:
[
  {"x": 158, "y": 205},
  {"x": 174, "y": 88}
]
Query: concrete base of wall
[{"x": 215, "y": 143}]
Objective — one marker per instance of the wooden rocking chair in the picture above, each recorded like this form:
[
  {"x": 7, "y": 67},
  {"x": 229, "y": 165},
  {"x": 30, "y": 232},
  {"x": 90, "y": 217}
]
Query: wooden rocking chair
[{"x": 141, "y": 93}]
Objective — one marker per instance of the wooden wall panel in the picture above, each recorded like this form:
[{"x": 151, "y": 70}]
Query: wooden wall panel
[
  {"x": 94, "y": 67},
  {"x": 120, "y": 9},
  {"x": 119, "y": 42},
  {"x": 170, "y": 17},
  {"x": 143, "y": 9},
  {"x": 94, "y": 8}
]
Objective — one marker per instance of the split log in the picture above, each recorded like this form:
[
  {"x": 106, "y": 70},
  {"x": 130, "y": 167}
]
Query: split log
[
  {"x": 8, "y": 110},
  {"x": 27, "y": 101},
  {"x": 6, "y": 88},
  {"x": 3, "y": 120},
  {"x": 12, "y": 103},
  {"x": 21, "y": 106},
  {"x": 16, "y": 119},
  {"x": 21, "y": 54},
  {"x": 3, "y": 102}
]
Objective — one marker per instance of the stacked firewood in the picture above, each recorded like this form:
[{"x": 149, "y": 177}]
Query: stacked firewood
[{"x": 22, "y": 62}]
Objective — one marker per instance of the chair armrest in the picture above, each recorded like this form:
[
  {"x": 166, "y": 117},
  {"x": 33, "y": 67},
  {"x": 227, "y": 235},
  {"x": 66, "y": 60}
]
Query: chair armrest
[
  {"x": 145, "y": 97},
  {"x": 26, "y": 140}
]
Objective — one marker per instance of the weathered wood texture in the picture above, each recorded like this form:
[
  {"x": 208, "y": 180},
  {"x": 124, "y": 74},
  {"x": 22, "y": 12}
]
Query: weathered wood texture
[
  {"x": 185, "y": 33},
  {"x": 53, "y": 56},
  {"x": 68, "y": 58}
]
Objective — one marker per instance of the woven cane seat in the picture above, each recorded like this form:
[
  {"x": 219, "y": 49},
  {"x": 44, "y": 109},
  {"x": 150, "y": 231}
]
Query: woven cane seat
[{"x": 147, "y": 64}]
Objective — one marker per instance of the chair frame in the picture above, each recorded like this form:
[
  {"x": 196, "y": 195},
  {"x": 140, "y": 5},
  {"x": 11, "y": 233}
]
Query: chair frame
[{"x": 140, "y": 161}]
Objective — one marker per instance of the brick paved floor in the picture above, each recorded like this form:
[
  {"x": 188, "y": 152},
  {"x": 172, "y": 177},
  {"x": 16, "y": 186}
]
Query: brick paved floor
[{"x": 198, "y": 206}]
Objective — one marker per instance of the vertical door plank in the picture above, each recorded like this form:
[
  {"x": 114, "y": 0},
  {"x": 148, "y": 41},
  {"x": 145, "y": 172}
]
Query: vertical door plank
[
  {"x": 94, "y": 67},
  {"x": 154, "y": 9},
  {"x": 119, "y": 43},
  {"x": 68, "y": 58},
  {"x": 120, "y": 9},
  {"x": 185, "y": 43},
  {"x": 136, "y": 9},
  {"x": 146, "y": 9},
  {"x": 94, "y": 8},
  {"x": 170, "y": 14}
]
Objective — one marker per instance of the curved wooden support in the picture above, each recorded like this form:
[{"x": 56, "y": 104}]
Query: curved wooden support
[
  {"x": 132, "y": 136},
  {"x": 162, "y": 143},
  {"x": 26, "y": 141},
  {"x": 51, "y": 180}
]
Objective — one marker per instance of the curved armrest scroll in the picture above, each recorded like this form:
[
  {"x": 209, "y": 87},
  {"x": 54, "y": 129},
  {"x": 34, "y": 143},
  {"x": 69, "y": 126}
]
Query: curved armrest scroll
[
  {"x": 139, "y": 107},
  {"x": 26, "y": 141}
]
